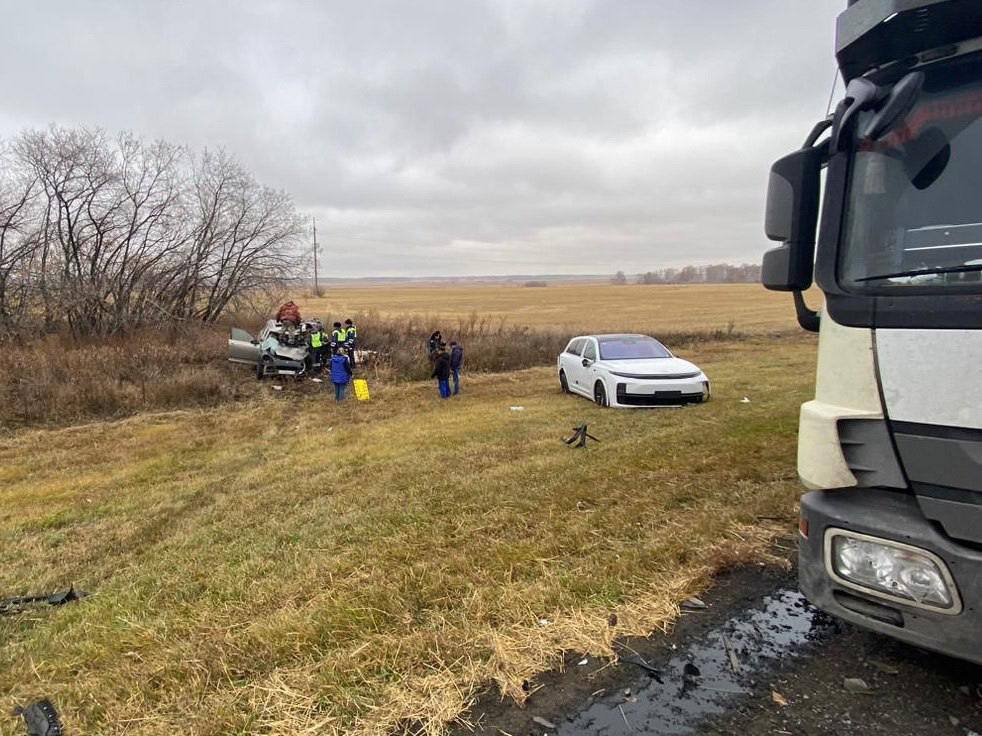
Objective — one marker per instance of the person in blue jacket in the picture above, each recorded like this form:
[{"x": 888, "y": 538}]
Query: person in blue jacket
[
  {"x": 340, "y": 372},
  {"x": 456, "y": 363}
]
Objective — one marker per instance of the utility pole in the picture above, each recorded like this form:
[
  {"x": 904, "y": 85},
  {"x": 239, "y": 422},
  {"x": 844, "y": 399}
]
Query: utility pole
[{"x": 317, "y": 288}]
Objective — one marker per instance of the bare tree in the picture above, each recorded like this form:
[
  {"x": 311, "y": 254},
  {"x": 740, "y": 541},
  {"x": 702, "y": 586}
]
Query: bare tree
[
  {"x": 18, "y": 195},
  {"x": 106, "y": 234}
]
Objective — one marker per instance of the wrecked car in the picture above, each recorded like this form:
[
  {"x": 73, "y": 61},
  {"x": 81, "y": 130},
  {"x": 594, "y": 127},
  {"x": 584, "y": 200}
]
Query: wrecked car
[{"x": 280, "y": 349}]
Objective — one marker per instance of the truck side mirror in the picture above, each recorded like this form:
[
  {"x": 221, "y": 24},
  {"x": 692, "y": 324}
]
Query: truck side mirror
[{"x": 792, "y": 216}]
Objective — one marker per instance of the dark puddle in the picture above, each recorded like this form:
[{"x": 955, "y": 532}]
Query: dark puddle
[{"x": 709, "y": 676}]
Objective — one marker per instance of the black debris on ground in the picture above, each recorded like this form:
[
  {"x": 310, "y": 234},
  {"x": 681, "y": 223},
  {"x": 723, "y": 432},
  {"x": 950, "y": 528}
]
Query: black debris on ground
[
  {"x": 756, "y": 659},
  {"x": 41, "y": 719}
]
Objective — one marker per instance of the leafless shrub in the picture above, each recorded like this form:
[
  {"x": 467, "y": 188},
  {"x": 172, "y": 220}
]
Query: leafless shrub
[
  {"x": 102, "y": 235},
  {"x": 58, "y": 380}
]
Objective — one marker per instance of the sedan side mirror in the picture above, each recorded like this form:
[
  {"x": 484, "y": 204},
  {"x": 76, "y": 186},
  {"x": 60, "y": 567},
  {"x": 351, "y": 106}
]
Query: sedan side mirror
[
  {"x": 792, "y": 218},
  {"x": 586, "y": 362}
]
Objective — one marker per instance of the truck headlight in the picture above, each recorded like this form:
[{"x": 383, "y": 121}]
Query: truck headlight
[{"x": 891, "y": 570}]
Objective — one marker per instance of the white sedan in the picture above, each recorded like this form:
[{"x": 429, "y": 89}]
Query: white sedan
[{"x": 629, "y": 371}]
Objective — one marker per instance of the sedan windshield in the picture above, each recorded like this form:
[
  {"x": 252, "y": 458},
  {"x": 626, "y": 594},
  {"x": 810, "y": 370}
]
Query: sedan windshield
[
  {"x": 631, "y": 348},
  {"x": 914, "y": 210}
]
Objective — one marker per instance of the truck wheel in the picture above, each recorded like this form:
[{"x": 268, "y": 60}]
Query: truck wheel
[
  {"x": 600, "y": 394},
  {"x": 563, "y": 383}
]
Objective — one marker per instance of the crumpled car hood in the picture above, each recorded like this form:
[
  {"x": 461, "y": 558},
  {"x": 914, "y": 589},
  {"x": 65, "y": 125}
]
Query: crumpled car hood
[{"x": 297, "y": 354}]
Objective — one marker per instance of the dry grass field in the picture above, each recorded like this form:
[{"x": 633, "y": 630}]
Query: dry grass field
[
  {"x": 296, "y": 567},
  {"x": 572, "y": 307},
  {"x": 55, "y": 381}
]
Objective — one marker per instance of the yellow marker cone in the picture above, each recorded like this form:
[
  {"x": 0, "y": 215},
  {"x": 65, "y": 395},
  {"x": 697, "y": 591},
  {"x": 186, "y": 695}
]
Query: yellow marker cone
[{"x": 361, "y": 389}]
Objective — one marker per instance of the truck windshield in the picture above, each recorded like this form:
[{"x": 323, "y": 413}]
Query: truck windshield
[{"x": 914, "y": 207}]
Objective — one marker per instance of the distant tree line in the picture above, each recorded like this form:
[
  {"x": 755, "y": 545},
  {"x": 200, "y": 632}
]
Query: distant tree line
[
  {"x": 100, "y": 234},
  {"x": 714, "y": 273}
]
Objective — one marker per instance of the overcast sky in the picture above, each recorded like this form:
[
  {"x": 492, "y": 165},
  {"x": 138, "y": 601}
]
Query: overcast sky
[{"x": 456, "y": 137}]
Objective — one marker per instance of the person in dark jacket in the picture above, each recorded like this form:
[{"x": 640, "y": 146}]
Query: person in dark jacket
[
  {"x": 441, "y": 371},
  {"x": 434, "y": 344},
  {"x": 456, "y": 362},
  {"x": 340, "y": 373}
]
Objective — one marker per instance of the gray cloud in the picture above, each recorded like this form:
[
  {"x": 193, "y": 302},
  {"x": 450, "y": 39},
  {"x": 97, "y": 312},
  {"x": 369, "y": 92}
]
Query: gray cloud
[{"x": 461, "y": 137}]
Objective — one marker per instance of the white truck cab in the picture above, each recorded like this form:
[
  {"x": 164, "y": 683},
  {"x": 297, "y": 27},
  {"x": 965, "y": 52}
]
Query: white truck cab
[{"x": 891, "y": 445}]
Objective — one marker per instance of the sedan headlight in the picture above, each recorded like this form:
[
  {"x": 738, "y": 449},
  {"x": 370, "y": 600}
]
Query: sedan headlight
[{"x": 891, "y": 570}]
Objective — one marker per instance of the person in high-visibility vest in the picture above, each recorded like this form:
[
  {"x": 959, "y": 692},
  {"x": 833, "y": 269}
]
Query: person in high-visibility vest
[
  {"x": 317, "y": 346},
  {"x": 338, "y": 336},
  {"x": 351, "y": 339}
]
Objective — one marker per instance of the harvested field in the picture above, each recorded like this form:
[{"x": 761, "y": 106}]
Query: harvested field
[
  {"x": 574, "y": 307},
  {"x": 285, "y": 567}
]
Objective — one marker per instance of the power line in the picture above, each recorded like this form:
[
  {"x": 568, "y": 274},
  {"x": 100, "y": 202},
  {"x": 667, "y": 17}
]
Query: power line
[
  {"x": 835, "y": 82},
  {"x": 317, "y": 288}
]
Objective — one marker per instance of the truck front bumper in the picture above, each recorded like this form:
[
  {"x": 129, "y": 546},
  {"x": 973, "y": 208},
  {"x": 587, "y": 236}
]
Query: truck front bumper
[{"x": 896, "y": 517}]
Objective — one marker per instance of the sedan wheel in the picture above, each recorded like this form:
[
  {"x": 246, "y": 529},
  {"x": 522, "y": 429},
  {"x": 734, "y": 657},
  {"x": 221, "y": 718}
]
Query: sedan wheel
[
  {"x": 564, "y": 384},
  {"x": 600, "y": 394}
]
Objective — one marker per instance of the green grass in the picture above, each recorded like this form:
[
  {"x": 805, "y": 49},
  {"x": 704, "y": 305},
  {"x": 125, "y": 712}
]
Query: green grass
[{"x": 287, "y": 567}]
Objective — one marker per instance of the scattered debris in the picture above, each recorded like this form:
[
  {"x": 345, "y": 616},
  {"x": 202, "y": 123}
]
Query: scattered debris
[
  {"x": 544, "y": 723},
  {"x": 677, "y": 699},
  {"x": 627, "y": 692},
  {"x": 731, "y": 654},
  {"x": 857, "y": 686},
  {"x": 624, "y": 716},
  {"x": 544, "y": 622},
  {"x": 954, "y": 721},
  {"x": 745, "y": 400},
  {"x": 18, "y": 603},
  {"x": 517, "y": 408},
  {"x": 693, "y": 604},
  {"x": 41, "y": 719},
  {"x": 277, "y": 388},
  {"x": 965, "y": 690},
  {"x": 778, "y": 698},
  {"x": 580, "y": 436},
  {"x": 612, "y": 620},
  {"x": 883, "y": 667},
  {"x": 583, "y": 662},
  {"x": 317, "y": 380},
  {"x": 653, "y": 672}
]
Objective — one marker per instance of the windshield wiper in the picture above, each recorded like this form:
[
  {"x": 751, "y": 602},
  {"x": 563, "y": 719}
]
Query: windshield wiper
[{"x": 924, "y": 272}]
